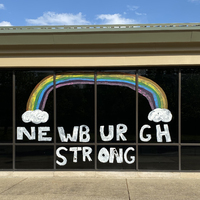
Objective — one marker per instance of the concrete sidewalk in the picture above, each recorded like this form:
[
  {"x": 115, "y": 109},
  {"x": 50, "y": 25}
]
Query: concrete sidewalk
[{"x": 59, "y": 188}]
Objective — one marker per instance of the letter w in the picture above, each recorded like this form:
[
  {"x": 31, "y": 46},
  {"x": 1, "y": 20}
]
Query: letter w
[{"x": 65, "y": 138}]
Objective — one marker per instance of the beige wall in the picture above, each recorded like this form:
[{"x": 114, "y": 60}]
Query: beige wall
[{"x": 100, "y": 61}]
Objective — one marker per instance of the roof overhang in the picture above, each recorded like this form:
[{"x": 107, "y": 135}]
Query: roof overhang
[{"x": 100, "y": 45}]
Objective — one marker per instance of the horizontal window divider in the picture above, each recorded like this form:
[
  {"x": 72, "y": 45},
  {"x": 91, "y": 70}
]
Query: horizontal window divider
[
  {"x": 158, "y": 144},
  {"x": 104, "y": 144},
  {"x": 69, "y": 144},
  {"x": 113, "y": 170},
  {"x": 34, "y": 144},
  {"x": 149, "y": 170},
  {"x": 107, "y": 144},
  {"x": 117, "y": 170},
  {"x": 51, "y": 170},
  {"x": 32, "y": 170},
  {"x": 72, "y": 169},
  {"x": 190, "y": 144}
]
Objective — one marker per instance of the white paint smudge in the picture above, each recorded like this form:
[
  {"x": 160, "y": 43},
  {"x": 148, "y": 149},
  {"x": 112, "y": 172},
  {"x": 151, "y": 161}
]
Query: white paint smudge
[
  {"x": 35, "y": 116},
  {"x": 160, "y": 114}
]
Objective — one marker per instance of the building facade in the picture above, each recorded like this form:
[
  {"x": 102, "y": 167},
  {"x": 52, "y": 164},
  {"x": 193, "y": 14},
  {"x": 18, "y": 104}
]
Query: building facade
[{"x": 107, "y": 97}]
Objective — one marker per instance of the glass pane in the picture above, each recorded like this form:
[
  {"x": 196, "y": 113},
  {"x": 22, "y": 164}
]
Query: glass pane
[
  {"x": 6, "y": 106},
  {"x": 158, "y": 157},
  {"x": 34, "y": 157},
  {"x": 190, "y": 158},
  {"x": 190, "y": 109},
  {"x": 34, "y": 94},
  {"x": 75, "y": 157},
  {"x": 116, "y": 157},
  {"x": 156, "y": 94},
  {"x": 116, "y": 106},
  {"x": 6, "y": 157},
  {"x": 75, "y": 106}
]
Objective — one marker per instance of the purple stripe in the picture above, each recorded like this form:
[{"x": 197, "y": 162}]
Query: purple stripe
[
  {"x": 46, "y": 94},
  {"x": 145, "y": 93}
]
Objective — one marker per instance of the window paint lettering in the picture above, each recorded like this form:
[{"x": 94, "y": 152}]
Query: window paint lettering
[
  {"x": 104, "y": 155},
  {"x": 120, "y": 130},
  {"x": 84, "y": 151},
  {"x": 35, "y": 113},
  {"x": 83, "y": 132},
  {"x": 159, "y": 134},
  {"x": 42, "y": 133},
  {"x": 111, "y": 155}
]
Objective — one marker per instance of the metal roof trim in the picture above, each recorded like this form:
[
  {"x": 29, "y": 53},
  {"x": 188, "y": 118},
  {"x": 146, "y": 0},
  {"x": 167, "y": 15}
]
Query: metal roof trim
[{"x": 99, "y": 28}]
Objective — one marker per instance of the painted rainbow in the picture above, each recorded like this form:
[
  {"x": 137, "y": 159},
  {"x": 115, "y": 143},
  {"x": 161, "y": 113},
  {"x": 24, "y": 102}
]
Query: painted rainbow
[{"x": 148, "y": 88}]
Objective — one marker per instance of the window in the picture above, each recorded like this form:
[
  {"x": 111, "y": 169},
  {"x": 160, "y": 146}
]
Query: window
[{"x": 121, "y": 119}]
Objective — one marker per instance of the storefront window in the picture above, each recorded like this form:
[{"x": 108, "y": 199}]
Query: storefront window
[
  {"x": 74, "y": 106},
  {"x": 167, "y": 81},
  {"x": 119, "y": 119},
  {"x": 6, "y": 106},
  {"x": 158, "y": 157},
  {"x": 190, "y": 157},
  {"x": 6, "y": 157},
  {"x": 34, "y": 98},
  {"x": 190, "y": 109},
  {"x": 34, "y": 157},
  {"x": 116, "y": 104}
]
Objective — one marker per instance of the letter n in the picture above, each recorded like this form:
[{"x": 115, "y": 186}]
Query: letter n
[{"x": 22, "y": 131}]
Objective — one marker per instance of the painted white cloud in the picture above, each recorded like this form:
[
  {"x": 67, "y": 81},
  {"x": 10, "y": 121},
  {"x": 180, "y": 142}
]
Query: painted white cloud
[
  {"x": 115, "y": 19},
  {"x": 2, "y": 6},
  {"x": 160, "y": 114},
  {"x": 35, "y": 116},
  {"x": 5, "y": 23},
  {"x": 52, "y": 18}
]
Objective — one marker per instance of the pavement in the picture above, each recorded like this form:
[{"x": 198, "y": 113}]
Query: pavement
[{"x": 59, "y": 188}]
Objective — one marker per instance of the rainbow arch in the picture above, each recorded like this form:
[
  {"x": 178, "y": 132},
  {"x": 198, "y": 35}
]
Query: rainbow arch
[{"x": 148, "y": 88}]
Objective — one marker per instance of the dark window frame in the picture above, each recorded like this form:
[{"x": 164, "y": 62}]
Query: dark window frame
[{"x": 179, "y": 144}]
